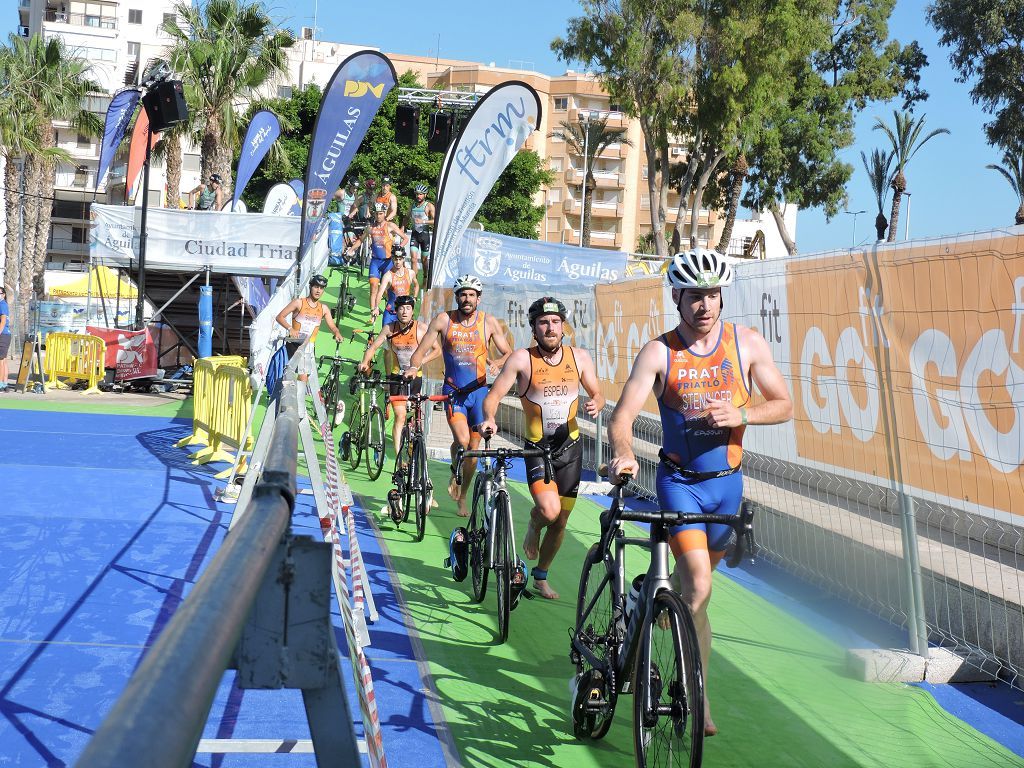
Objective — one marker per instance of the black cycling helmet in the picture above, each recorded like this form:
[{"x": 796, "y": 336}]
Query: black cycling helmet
[
  {"x": 401, "y": 301},
  {"x": 318, "y": 280},
  {"x": 546, "y": 305},
  {"x": 215, "y": 177}
]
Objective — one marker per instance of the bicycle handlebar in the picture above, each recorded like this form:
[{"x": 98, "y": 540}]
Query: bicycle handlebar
[
  {"x": 417, "y": 398},
  {"x": 502, "y": 454},
  {"x": 742, "y": 522}
]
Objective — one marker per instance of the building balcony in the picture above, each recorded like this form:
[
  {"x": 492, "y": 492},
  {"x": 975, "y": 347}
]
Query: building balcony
[
  {"x": 598, "y": 239},
  {"x": 597, "y": 209},
  {"x": 612, "y": 119},
  {"x": 108, "y": 23},
  {"x": 602, "y": 179},
  {"x": 66, "y": 245}
]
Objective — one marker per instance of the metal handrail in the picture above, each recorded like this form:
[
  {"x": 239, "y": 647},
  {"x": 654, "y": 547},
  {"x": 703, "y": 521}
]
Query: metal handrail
[{"x": 160, "y": 716}]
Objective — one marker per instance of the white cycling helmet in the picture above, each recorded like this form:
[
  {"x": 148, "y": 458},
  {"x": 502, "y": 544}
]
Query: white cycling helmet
[
  {"x": 471, "y": 282},
  {"x": 699, "y": 268}
]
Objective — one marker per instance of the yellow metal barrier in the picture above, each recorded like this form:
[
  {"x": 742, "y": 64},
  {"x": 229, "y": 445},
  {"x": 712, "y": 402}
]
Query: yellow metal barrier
[
  {"x": 74, "y": 356},
  {"x": 230, "y": 404},
  {"x": 202, "y": 392}
]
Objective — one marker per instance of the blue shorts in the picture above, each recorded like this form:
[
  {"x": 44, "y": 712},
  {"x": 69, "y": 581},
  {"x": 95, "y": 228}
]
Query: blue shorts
[
  {"x": 469, "y": 406},
  {"x": 389, "y": 316},
  {"x": 379, "y": 263},
  {"x": 715, "y": 496}
]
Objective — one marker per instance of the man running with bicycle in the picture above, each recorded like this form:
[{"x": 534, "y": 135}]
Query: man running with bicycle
[
  {"x": 382, "y": 234},
  {"x": 464, "y": 335},
  {"x": 419, "y": 222},
  {"x": 549, "y": 377},
  {"x": 403, "y": 334},
  {"x": 701, "y": 374},
  {"x": 303, "y": 317},
  {"x": 397, "y": 281}
]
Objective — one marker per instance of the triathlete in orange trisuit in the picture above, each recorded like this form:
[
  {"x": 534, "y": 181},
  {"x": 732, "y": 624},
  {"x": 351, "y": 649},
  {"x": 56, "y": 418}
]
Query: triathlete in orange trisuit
[
  {"x": 701, "y": 373},
  {"x": 549, "y": 378},
  {"x": 303, "y": 317}
]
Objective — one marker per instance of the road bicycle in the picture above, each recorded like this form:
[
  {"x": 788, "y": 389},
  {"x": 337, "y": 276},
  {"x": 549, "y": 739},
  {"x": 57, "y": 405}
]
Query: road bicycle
[
  {"x": 361, "y": 258},
  {"x": 366, "y": 426},
  {"x": 413, "y": 487},
  {"x": 330, "y": 389},
  {"x": 645, "y": 645},
  {"x": 490, "y": 530}
]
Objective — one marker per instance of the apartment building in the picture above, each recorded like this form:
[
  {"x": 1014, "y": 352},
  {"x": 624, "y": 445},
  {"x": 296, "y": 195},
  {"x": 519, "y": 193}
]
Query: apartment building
[
  {"x": 118, "y": 39},
  {"x": 121, "y": 37}
]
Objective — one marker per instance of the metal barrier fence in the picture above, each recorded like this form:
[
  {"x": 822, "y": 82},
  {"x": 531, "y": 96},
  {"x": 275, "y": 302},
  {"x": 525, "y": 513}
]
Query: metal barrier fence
[{"x": 238, "y": 615}]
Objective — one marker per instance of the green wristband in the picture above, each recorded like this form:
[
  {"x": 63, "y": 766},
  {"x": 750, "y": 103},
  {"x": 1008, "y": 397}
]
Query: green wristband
[{"x": 743, "y": 416}]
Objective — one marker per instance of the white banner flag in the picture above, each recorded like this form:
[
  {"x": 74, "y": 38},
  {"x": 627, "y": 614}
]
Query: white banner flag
[
  {"x": 281, "y": 200},
  {"x": 494, "y": 131}
]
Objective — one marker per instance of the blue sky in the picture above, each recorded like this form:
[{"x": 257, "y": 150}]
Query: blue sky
[{"x": 951, "y": 190}]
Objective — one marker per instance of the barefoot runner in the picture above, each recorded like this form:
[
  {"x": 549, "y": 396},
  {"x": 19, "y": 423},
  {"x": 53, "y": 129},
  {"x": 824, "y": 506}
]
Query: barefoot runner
[{"x": 549, "y": 378}]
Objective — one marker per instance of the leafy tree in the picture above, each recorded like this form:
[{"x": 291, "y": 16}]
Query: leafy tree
[
  {"x": 1012, "y": 170},
  {"x": 877, "y": 167},
  {"x": 509, "y": 209},
  {"x": 986, "y": 41},
  {"x": 905, "y": 136},
  {"x": 642, "y": 50},
  {"x": 45, "y": 83},
  {"x": 224, "y": 50},
  {"x": 589, "y": 140},
  {"x": 795, "y": 156}
]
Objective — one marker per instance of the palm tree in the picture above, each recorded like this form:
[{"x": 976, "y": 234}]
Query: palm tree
[
  {"x": 740, "y": 169},
  {"x": 47, "y": 83},
  {"x": 1012, "y": 170},
  {"x": 223, "y": 50},
  {"x": 877, "y": 167},
  {"x": 905, "y": 136},
  {"x": 589, "y": 140}
]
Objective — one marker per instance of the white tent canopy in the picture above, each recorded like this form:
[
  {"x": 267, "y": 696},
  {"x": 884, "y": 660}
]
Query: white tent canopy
[{"x": 189, "y": 241}]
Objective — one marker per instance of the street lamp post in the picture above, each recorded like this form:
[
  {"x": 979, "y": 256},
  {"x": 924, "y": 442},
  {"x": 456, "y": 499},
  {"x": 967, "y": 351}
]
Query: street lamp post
[
  {"x": 585, "y": 122},
  {"x": 855, "y": 214},
  {"x": 906, "y": 231}
]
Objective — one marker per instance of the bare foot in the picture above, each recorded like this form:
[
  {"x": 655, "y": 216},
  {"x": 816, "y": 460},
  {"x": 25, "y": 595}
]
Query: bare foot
[
  {"x": 545, "y": 591},
  {"x": 454, "y": 489},
  {"x": 710, "y": 729},
  {"x": 531, "y": 542},
  {"x": 462, "y": 511}
]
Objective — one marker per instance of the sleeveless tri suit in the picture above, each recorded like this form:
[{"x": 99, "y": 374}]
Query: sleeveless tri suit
[
  {"x": 550, "y": 406},
  {"x": 699, "y": 471},
  {"x": 464, "y": 350}
]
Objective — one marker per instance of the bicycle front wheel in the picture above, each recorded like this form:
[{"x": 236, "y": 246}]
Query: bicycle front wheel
[
  {"x": 376, "y": 452},
  {"x": 668, "y": 699},
  {"x": 330, "y": 395},
  {"x": 404, "y": 473},
  {"x": 422, "y": 485},
  {"x": 596, "y": 642},
  {"x": 339, "y": 310},
  {"x": 503, "y": 563},
  {"x": 478, "y": 539}
]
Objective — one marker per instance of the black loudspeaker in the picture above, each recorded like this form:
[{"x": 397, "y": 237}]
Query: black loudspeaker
[
  {"x": 407, "y": 125},
  {"x": 441, "y": 124},
  {"x": 165, "y": 105}
]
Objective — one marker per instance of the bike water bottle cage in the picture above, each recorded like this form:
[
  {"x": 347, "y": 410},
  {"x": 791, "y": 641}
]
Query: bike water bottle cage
[{"x": 458, "y": 554}]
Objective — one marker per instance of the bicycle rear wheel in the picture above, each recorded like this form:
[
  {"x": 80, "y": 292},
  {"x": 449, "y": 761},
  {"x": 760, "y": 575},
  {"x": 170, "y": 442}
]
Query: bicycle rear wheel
[
  {"x": 668, "y": 698},
  {"x": 597, "y": 631},
  {"x": 376, "y": 451},
  {"x": 478, "y": 539},
  {"x": 422, "y": 485},
  {"x": 357, "y": 438},
  {"x": 503, "y": 564}
]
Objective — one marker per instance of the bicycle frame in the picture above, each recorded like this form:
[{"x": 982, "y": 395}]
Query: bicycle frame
[{"x": 613, "y": 543}]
